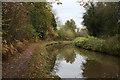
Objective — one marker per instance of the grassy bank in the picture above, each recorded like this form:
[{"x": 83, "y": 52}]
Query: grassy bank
[
  {"x": 109, "y": 46},
  {"x": 41, "y": 63}
]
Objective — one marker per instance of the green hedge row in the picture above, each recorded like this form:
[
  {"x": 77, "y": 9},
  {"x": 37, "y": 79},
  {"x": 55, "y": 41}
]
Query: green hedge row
[{"x": 109, "y": 46}]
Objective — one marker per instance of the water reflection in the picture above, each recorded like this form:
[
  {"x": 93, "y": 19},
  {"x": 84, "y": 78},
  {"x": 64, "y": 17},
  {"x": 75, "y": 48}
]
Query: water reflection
[
  {"x": 70, "y": 70},
  {"x": 72, "y": 62},
  {"x": 94, "y": 69},
  {"x": 68, "y": 54},
  {"x": 68, "y": 64},
  {"x": 99, "y": 65}
]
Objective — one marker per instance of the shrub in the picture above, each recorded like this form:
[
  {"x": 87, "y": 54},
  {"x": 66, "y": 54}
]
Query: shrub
[
  {"x": 110, "y": 45},
  {"x": 7, "y": 50}
]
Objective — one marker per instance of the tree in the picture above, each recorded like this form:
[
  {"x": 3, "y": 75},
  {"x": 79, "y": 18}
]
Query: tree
[
  {"x": 27, "y": 20},
  {"x": 42, "y": 18},
  {"x": 70, "y": 24},
  {"x": 67, "y": 30},
  {"x": 101, "y": 19},
  {"x": 16, "y": 22}
]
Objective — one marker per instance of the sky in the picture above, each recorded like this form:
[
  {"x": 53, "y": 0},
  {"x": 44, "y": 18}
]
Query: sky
[{"x": 69, "y": 9}]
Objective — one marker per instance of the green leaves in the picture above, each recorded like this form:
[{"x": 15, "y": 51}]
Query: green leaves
[
  {"x": 101, "y": 19},
  {"x": 27, "y": 21},
  {"x": 42, "y": 18},
  {"x": 67, "y": 31},
  {"x": 108, "y": 46}
]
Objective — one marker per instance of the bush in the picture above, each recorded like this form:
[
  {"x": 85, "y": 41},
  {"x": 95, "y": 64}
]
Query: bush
[
  {"x": 7, "y": 50},
  {"x": 110, "y": 45}
]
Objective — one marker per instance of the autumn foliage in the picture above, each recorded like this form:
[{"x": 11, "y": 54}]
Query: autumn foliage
[{"x": 25, "y": 22}]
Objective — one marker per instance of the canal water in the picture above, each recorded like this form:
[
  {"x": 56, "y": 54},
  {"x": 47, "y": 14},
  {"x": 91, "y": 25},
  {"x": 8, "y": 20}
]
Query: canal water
[{"x": 73, "y": 62}]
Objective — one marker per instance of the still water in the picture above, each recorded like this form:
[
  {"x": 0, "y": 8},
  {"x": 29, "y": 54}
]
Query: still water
[{"x": 72, "y": 62}]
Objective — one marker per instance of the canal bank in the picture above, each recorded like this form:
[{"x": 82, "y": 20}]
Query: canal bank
[
  {"x": 110, "y": 46},
  {"x": 42, "y": 62},
  {"x": 64, "y": 60}
]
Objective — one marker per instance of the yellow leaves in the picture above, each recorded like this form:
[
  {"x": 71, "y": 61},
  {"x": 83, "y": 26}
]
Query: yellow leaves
[
  {"x": 4, "y": 24},
  {"x": 0, "y": 32},
  {"x": 4, "y": 50},
  {"x": 4, "y": 41},
  {"x": 84, "y": 3},
  {"x": 6, "y": 20},
  {"x": 37, "y": 39},
  {"x": 5, "y": 32},
  {"x": 11, "y": 46}
]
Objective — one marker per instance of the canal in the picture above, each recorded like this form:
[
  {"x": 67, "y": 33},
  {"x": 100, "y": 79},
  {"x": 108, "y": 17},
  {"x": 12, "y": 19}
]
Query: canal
[{"x": 73, "y": 62}]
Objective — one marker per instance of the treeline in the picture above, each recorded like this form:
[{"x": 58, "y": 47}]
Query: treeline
[
  {"x": 26, "y": 22},
  {"x": 103, "y": 19},
  {"x": 67, "y": 31}
]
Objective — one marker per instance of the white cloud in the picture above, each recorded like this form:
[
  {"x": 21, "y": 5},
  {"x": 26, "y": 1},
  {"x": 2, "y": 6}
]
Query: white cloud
[{"x": 69, "y": 9}]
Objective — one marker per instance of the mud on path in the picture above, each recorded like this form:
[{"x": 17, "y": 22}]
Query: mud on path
[{"x": 17, "y": 68}]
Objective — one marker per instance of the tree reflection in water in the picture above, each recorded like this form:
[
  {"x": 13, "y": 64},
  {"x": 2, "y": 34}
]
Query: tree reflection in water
[
  {"x": 68, "y": 64},
  {"x": 73, "y": 62}
]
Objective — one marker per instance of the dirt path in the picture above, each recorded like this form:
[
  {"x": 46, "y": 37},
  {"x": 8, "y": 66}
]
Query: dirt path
[{"x": 17, "y": 68}]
